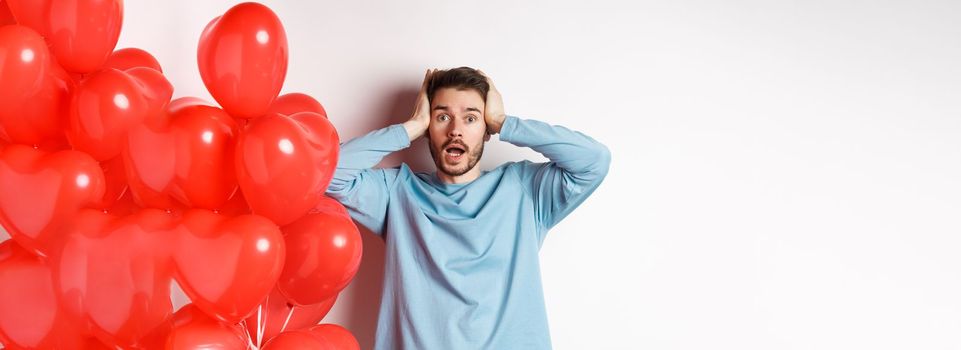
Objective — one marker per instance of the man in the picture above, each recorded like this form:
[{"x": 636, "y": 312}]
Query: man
[{"x": 462, "y": 244}]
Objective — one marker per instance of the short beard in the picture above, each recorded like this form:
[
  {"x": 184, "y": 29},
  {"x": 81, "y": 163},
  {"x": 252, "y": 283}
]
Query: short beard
[{"x": 473, "y": 156}]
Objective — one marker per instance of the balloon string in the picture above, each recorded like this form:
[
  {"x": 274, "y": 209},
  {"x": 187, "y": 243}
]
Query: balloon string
[
  {"x": 260, "y": 327},
  {"x": 291, "y": 313},
  {"x": 250, "y": 342}
]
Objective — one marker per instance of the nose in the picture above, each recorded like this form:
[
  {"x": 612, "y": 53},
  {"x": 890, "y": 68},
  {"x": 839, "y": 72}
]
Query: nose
[{"x": 454, "y": 129}]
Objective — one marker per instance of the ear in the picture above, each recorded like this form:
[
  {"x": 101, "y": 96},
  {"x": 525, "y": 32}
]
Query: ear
[{"x": 487, "y": 137}]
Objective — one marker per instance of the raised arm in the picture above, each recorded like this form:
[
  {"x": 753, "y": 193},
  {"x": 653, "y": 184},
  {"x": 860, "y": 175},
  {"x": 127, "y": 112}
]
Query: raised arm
[{"x": 578, "y": 163}]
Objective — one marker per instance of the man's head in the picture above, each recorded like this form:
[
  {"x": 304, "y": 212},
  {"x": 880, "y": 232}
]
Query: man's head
[{"x": 457, "y": 130}]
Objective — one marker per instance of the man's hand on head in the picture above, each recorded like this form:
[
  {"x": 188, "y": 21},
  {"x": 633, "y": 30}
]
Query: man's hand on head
[
  {"x": 420, "y": 118},
  {"x": 494, "y": 108}
]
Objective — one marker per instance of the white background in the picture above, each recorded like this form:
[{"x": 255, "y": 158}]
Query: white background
[{"x": 786, "y": 174}]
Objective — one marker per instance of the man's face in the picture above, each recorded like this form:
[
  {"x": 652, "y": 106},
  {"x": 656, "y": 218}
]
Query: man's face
[{"x": 457, "y": 130}]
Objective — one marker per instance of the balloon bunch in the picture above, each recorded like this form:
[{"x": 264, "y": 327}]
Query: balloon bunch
[{"x": 110, "y": 191}]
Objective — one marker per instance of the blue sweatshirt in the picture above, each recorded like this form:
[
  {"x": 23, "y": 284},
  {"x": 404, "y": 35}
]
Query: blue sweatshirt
[{"x": 462, "y": 267}]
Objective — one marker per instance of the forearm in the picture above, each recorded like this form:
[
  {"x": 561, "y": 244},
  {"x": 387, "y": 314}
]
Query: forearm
[
  {"x": 414, "y": 129},
  {"x": 367, "y": 151},
  {"x": 572, "y": 151}
]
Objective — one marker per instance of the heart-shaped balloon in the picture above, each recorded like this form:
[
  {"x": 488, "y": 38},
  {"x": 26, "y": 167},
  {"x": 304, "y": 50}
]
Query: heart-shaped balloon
[
  {"x": 35, "y": 93},
  {"x": 40, "y": 192},
  {"x": 108, "y": 103},
  {"x": 185, "y": 161},
  {"x": 295, "y": 102},
  {"x": 277, "y": 315},
  {"x": 319, "y": 337},
  {"x": 195, "y": 330},
  {"x": 243, "y": 59},
  {"x": 336, "y": 336},
  {"x": 131, "y": 57},
  {"x": 323, "y": 255},
  {"x": 26, "y": 62},
  {"x": 81, "y": 33},
  {"x": 156, "y": 90},
  {"x": 114, "y": 273},
  {"x": 297, "y": 340},
  {"x": 150, "y": 161},
  {"x": 284, "y": 164},
  {"x": 227, "y": 265},
  {"x": 30, "y": 315}
]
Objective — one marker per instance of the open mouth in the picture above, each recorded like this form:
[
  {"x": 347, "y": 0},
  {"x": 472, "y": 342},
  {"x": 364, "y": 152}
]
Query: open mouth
[{"x": 454, "y": 152}]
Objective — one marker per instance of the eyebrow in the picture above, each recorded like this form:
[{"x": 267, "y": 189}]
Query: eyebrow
[{"x": 444, "y": 108}]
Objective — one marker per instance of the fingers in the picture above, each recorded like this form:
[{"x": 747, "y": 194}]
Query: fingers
[{"x": 422, "y": 103}]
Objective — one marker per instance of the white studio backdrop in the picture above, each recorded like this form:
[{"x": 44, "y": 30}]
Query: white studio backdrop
[{"x": 786, "y": 174}]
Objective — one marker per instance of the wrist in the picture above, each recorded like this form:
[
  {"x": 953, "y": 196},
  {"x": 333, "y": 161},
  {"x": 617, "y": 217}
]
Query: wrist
[
  {"x": 415, "y": 129},
  {"x": 497, "y": 123}
]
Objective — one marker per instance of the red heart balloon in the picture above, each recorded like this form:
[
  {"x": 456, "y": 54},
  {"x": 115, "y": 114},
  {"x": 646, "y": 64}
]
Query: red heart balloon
[
  {"x": 156, "y": 90},
  {"x": 30, "y": 316},
  {"x": 26, "y": 61},
  {"x": 295, "y": 102},
  {"x": 187, "y": 160},
  {"x": 323, "y": 255},
  {"x": 104, "y": 108},
  {"x": 35, "y": 93},
  {"x": 195, "y": 330},
  {"x": 243, "y": 59},
  {"x": 228, "y": 265},
  {"x": 297, "y": 340},
  {"x": 150, "y": 162},
  {"x": 115, "y": 272},
  {"x": 41, "y": 192},
  {"x": 277, "y": 315},
  {"x": 337, "y": 337},
  {"x": 81, "y": 33},
  {"x": 131, "y": 57},
  {"x": 284, "y": 164}
]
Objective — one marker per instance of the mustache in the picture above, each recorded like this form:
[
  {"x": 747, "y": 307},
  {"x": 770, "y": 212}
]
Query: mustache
[{"x": 455, "y": 142}]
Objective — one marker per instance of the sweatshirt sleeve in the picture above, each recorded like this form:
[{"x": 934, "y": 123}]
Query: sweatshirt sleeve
[
  {"x": 365, "y": 191},
  {"x": 578, "y": 164}
]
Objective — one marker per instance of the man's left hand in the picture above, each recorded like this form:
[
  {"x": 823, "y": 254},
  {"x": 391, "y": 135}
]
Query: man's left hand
[{"x": 494, "y": 108}]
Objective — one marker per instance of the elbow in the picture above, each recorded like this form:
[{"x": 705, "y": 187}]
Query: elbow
[
  {"x": 605, "y": 159},
  {"x": 602, "y": 164}
]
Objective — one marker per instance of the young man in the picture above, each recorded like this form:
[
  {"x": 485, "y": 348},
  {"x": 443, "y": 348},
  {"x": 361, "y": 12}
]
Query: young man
[{"x": 462, "y": 244}]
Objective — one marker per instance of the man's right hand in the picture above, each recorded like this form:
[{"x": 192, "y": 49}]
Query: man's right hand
[{"x": 420, "y": 118}]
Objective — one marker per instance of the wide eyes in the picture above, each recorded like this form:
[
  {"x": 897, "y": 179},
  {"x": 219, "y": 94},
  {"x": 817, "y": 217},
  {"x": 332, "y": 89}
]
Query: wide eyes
[{"x": 445, "y": 117}]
